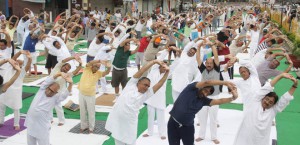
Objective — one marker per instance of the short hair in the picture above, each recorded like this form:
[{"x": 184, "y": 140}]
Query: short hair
[
  {"x": 1, "y": 80},
  {"x": 54, "y": 42},
  {"x": 54, "y": 31},
  {"x": 130, "y": 22},
  {"x": 143, "y": 78},
  {"x": 3, "y": 41},
  {"x": 113, "y": 24},
  {"x": 101, "y": 38},
  {"x": 273, "y": 95},
  {"x": 93, "y": 24},
  {"x": 273, "y": 41},
  {"x": 212, "y": 89},
  {"x": 194, "y": 48}
]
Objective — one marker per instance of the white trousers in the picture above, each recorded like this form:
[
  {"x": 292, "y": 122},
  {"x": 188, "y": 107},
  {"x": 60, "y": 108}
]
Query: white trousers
[
  {"x": 175, "y": 95},
  {"x": 160, "y": 115},
  {"x": 36, "y": 141},
  {"x": 60, "y": 113},
  {"x": 117, "y": 142},
  {"x": 16, "y": 115},
  {"x": 87, "y": 111},
  {"x": 203, "y": 114},
  {"x": 20, "y": 38},
  {"x": 103, "y": 84}
]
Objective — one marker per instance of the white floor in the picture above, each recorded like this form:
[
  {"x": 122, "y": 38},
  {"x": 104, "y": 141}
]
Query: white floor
[{"x": 229, "y": 121}]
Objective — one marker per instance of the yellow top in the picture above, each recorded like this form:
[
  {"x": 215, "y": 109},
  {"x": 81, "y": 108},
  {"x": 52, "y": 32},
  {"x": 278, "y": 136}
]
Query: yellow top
[
  {"x": 88, "y": 80},
  {"x": 11, "y": 32}
]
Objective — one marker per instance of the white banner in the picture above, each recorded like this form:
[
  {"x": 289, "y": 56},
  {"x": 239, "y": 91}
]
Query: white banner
[{"x": 36, "y": 1}]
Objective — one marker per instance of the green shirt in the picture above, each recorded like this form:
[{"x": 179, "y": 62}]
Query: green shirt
[{"x": 121, "y": 57}]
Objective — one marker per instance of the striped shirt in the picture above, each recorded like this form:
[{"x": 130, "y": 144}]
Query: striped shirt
[{"x": 261, "y": 47}]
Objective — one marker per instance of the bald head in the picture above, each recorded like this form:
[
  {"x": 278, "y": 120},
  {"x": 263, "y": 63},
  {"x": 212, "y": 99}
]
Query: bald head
[{"x": 52, "y": 89}]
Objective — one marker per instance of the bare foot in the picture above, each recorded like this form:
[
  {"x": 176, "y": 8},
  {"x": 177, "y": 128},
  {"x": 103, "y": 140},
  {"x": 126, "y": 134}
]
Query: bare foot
[
  {"x": 216, "y": 141},
  {"x": 51, "y": 121},
  {"x": 198, "y": 139},
  {"x": 60, "y": 124},
  {"x": 82, "y": 130},
  {"x": 146, "y": 135},
  {"x": 17, "y": 127},
  {"x": 91, "y": 131},
  {"x": 162, "y": 137}
]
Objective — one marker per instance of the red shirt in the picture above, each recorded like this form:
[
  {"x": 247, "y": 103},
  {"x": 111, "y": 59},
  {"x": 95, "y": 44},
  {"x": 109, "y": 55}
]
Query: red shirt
[
  {"x": 224, "y": 51},
  {"x": 143, "y": 44}
]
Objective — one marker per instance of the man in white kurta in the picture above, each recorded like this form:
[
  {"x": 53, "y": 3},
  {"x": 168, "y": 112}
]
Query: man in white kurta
[
  {"x": 12, "y": 98},
  {"x": 257, "y": 122},
  {"x": 122, "y": 121},
  {"x": 38, "y": 120},
  {"x": 186, "y": 70},
  {"x": 157, "y": 103},
  {"x": 64, "y": 67}
]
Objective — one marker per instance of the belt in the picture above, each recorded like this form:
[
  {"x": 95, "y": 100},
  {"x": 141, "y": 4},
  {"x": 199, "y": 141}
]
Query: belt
[{"x": 180, "y": 125}]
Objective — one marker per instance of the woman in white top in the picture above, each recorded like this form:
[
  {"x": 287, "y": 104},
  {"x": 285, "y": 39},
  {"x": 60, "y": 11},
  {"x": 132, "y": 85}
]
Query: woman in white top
[{"x": 255, "y": 32}]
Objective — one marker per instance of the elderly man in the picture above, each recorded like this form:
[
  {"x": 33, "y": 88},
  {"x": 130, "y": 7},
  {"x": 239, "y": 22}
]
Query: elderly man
[
  {"x": 64, "y": 67},
  {"x": 267, "y": 69},
  {"x": 38, "y": 120},
  {"x": 257, "y": 122},
  {"x": 209, "y": 71},
  {"x": 87, "y": 92},
  {"x": 122, "y": 121}
]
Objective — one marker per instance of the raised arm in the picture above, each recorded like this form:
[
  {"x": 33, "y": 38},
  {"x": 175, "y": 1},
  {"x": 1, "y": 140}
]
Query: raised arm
[
  {"x": 216, "y": 56},
  {"x": 126, "y": 41},
  {"x": 146, "y": 67},
  {"x": 161, "y": 82},
  {"x": 78, "y": 68},
  {"x": 225, "y": 100},
  {"x": 14, "y": 78},
  {"x": 7, "y": 37}
]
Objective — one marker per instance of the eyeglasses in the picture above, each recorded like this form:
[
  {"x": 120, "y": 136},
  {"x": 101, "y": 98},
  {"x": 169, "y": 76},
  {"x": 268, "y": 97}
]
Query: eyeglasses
[{"x": 52, "y": 91}]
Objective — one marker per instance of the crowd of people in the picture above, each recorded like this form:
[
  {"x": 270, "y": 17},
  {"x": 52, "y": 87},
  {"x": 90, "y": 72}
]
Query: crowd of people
[{"x": 204, "y": 57}]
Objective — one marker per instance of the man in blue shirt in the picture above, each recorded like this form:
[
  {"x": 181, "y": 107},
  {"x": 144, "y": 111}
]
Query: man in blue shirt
[
  {"x": 189, "y": 102},
  {"x": 30, "y": 42}
]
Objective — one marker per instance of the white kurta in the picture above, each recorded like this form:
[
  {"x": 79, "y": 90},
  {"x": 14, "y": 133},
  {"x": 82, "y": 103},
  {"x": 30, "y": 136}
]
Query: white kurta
[
  {"x": 38, "y": 120},
  {"x": 254, "y": 42},
  {"x": 13, "y": 95},
  {"x": 122, "y": 121},
  {"x": 247, "y": 87},
  {"x": 185, "y": 71},
  {"x": 257, "y": 122}
]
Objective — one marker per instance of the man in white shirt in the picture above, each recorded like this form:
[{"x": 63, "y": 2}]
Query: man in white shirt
[
  {"x": 256, "y": 125},
  {"x": 128, "y": 105},
  {"x": 38, "y": 120}
]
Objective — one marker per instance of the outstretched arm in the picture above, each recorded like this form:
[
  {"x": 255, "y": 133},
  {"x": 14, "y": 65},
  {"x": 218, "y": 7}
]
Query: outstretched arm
[
  {"x": 225, "y": 100},
  {"x": 146, "y": 67}
]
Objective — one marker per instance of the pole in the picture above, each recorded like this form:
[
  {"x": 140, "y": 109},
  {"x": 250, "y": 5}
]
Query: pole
[{"x": 281, "y": 11}]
